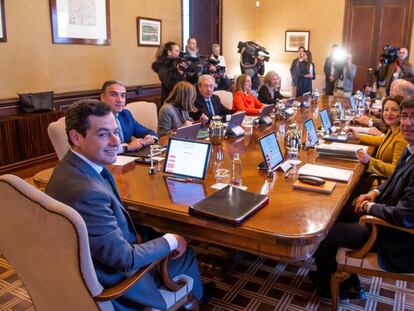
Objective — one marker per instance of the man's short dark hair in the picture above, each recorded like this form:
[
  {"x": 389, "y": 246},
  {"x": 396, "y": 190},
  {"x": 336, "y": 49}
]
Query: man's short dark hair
[
  {"x": 110, "y": 82},
  {"x": 76, "y": 118},
  {"x": 366, "y": 85},
  {"x": 408, "y": 102}
]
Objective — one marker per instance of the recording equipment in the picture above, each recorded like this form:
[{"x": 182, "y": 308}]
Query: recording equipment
[
  {"x": 389, "y": 54},
  {"x": 189, "y": 64},
  {"x": 254, "y": 50}
]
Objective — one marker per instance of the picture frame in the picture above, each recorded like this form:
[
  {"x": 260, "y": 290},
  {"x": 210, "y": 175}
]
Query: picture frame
[
  {"x": 80, "y": 22},
  {"x": 3, "y": 35},
  {"x": 296, "y": 38},
  {"x": 149, "y": 31}
]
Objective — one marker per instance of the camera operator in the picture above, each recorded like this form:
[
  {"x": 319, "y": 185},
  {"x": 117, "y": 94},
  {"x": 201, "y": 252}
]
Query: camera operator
[
  {"x": 252, "y": 62},
  {"x": 171, "y": 68},
  {"x": 218, "y": 69},
  {"x": 333, "y": 68},
  {"x": 393, "y": 64}
]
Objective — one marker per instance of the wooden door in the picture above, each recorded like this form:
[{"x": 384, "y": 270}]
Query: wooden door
[
  {"x": 370, "y": 25},
  {"x": 205, "y": 23}
]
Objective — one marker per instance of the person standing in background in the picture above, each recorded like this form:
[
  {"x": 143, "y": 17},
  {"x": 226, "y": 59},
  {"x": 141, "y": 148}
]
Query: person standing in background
[{"x": 294, "y": 69}]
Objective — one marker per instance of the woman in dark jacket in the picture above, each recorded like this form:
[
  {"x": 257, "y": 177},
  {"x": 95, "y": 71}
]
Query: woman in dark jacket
[
  {"x": 167, "y": 65},
  {"x": 306, "y": 73},
  {"x": 269, "y": 93}
]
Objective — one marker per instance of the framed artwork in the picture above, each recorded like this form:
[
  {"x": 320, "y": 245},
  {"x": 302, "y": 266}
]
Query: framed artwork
[
  {"x": 80, "y": 22},
  {"x": 3, "y": 36},
  {"x": 149, "y": 31},
  {"x": 295, "y": 39}
]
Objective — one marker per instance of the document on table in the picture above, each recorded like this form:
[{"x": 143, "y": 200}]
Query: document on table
[
  {"x": 326, "y": 172},
  {"x": 122, "y": 160},
  {"x": 360, "y": 129}
]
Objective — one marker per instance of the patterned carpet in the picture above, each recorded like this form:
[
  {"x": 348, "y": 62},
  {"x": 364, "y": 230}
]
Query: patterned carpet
[{"x": 251, "y": 283}]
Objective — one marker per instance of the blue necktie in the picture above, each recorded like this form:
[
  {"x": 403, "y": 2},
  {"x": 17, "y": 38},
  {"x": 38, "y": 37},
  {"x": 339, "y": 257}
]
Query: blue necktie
[
  {"x": 107, "y": 176},
  {"x": 121, "y": 135},
  {"x": 210, "y": 106}
]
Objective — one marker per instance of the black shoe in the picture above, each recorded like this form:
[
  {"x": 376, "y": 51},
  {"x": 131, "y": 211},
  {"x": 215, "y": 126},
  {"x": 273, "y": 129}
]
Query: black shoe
[
  {"x": 317, "y": 279},
  {"x": 208, "y": 292},
  {"x": 345, "y": 293}
]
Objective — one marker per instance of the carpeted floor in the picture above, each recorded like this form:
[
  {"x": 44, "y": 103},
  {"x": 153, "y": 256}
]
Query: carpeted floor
[{"x": 252, "y": 283}]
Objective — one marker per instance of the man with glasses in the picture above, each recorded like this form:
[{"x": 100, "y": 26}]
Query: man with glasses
[
  {"x": 207, "y": 103},
  {"x": 133, "y": 135},
  {"x": 392, "y": 201}
]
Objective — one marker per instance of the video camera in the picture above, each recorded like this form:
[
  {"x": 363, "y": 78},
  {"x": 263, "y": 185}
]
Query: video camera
[
  {"x": 389, "y": 54},
  {"x": 253, "y": 50},
  {"x": 188, "y": 63}
]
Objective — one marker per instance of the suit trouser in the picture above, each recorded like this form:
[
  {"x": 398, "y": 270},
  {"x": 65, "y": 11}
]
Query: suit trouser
[
  {"x": 329, "y": 87},
  {"x": 343, "y": 234}
]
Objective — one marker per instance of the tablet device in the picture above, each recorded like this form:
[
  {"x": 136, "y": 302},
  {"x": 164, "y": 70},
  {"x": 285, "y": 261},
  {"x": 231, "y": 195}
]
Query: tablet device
[
  {"x": 188, "y": 132},
  {"x": 271, "y": 152},
  {"x": 185, "y": 193},
  {"x": 187, "y": 158},
  {"x": 144, "y": 152},
  {"x": 353, "y": 103},
  {"x": 234, "y": 127},
  {"x": 324, "y": 115},
  {"x": 327, "y": 126},
  {"x": 341, "y": 111},
  {"x": 311, "y": 133},
  {"x": 264, "y": 114},
  {"x": 289, "y": 102},
  {"x": 307, "y": 98}
]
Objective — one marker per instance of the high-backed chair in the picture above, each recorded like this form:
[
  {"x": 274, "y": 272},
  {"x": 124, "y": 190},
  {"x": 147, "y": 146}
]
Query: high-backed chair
[
  {"x": 47, "y": 244},
  {"x": 57, "y": 134},
  {"x": 362, "y": 261},
  {"x": 145, "y": 113},
  {"x": 226, "y": 98}
]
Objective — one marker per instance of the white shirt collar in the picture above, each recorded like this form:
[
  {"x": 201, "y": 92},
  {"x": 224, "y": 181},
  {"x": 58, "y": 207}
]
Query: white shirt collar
[{"x": 98, "y": 168}]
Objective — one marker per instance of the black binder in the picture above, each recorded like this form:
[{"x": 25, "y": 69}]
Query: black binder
[{"x": 230, "y": 204}]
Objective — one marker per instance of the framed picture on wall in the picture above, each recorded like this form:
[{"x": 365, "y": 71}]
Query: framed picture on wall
[
  {"x": 80, "y": 21},
  {"x": 294, "y": 39},
  {"x": 149, "y": 31},
  {"x": 3, "y": 36}
]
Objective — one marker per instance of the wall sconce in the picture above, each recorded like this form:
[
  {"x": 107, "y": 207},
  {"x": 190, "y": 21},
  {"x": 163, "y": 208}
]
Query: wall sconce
[{"x": 257, "y": 3}]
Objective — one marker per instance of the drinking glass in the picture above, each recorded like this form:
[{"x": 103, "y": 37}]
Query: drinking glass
[{"x": 222, "y": 176}]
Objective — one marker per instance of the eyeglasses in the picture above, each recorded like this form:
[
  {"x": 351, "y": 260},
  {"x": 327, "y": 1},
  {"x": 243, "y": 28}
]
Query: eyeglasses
[
  {"x": 116, "y": 94},
  {"x": 405, "y": 116}
]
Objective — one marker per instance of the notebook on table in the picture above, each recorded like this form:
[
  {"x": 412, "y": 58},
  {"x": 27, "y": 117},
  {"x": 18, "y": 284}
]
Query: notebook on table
[
  {"x": 186, "y": 158},
  {"x": 230, "y": 204},
  {"x": 272, "y": 155},
  {"x": 324, "y": 115}
]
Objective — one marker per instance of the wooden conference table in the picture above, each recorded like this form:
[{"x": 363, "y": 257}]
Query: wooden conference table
[{"x": 290, "y": 227}]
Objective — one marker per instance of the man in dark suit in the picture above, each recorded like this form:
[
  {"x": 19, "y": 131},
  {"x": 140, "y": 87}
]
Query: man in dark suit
[
  {"x": 333, "y": 69},
  {"x": 118, "y": 247},
  {"x": 392, "y": 201},
  {"x": 133, "y": 135},
  {"x": 207, "y": 103}
]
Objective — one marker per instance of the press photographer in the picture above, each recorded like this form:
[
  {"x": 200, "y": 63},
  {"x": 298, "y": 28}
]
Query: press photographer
[
  {"x": 172, "y": 67},
  {"x": 333, "y": 68},
  {"x": 252, "y": 58},
  {"x": 218, "y": 69},
  {"x": 392, "y": 65}
]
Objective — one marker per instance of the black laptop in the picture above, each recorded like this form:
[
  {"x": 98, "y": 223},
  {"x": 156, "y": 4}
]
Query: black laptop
[{"x": 324, "y": 115}]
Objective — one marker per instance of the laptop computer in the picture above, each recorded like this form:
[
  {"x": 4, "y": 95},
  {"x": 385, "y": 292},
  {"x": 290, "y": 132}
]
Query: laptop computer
[
  {"x": 186, "y": 158},
  {"x": 264, "y": 114},
  {"x": 312, "y": 136},
  {"x": 234, "y": 128},
  {"x": 192, "y": 132},
  {"x": 328, "y": 128},
  {"x": 271, "y": 152}
]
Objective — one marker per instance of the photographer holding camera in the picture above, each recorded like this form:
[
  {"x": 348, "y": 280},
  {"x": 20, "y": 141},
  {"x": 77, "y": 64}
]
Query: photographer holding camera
[
  {"x": 218, "y": 69},
  {"x": 393, "y": 64},
  {"x": 252, "y": 61},
  {"x": 172, "y": 67}
]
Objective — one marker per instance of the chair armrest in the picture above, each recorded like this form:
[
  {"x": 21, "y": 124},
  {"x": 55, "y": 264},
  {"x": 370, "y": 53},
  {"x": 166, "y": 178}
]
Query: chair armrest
[
  {"x": 120, "y": 288},
  {"x": 166, "y": 279},
  {"x": 367, "y": 219},
  {"x": 374, "y": 222}
]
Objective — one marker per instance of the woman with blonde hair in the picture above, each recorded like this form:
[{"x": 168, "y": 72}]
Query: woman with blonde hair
[
  {"x": 174, "y": 113},
  {"x": 269, "y": 93},
  {"x": 243, "y": 98}
]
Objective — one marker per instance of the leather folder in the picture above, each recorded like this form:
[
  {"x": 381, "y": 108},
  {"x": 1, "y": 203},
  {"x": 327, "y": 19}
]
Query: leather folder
[{"x": 230, "y": 204}]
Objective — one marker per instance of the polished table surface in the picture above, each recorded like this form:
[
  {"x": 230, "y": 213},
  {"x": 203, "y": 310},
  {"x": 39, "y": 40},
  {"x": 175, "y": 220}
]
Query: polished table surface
[{"x": 290, "y": 227}]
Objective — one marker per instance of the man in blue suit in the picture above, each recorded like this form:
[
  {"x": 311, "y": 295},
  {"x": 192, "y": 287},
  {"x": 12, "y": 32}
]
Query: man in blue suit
[
  {"x": 133, "y": 135},
  {"x": 392, "y": 201},
  {"x": 118, "y": 247}
]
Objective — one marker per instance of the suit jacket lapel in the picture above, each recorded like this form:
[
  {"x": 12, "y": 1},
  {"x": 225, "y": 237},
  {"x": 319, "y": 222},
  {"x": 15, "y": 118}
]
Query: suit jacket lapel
[{"x": 396, "y": 176}]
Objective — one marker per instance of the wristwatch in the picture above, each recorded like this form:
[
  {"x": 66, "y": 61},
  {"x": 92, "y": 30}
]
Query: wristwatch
[{"x": 125, "y": 147}]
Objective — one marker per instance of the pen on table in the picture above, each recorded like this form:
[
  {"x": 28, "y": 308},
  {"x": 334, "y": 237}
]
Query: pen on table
[
  {"x": 181, "y": 179},
  {"x": 289, "y": 170}
]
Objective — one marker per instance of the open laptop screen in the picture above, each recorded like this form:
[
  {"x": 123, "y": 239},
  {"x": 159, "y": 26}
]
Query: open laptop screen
[
  {"x": 187, "y": 158},
  {"x": 271, "y": 151},
  {"x": 311, "y": 132},
  {"x": 325, "y": 119}
]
